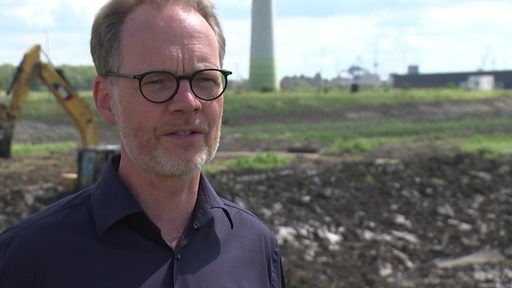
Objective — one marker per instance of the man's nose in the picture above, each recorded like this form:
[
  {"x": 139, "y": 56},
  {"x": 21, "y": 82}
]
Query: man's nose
[{"x": 185, "y": 100}]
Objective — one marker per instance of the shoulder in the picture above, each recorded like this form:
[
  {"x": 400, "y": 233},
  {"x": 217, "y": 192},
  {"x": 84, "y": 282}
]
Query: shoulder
[
  {"x": 253, "y": 239},
  {"x": 241, "y": 212},
  {"x": 239, "y": 218},
  {"x": 47, "y": 220},
  {"x": 26, "y": 246},
  {"x": 245, "y": 221}
]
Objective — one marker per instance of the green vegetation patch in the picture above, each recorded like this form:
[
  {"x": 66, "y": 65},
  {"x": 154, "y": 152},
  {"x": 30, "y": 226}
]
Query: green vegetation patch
[
  {"x": 362, "y": 136},
  {"x": 240, "y": 104},
  {"x": 491, "y": 146},
  {"x": 333, "y": 136},
  {"x": 262, "y": 161},
  {"x": 259, "y": 161},
  {"x": 25, "y": 149}
]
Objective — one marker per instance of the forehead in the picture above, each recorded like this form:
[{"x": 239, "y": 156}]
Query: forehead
[{"x": 168, "y": 31}]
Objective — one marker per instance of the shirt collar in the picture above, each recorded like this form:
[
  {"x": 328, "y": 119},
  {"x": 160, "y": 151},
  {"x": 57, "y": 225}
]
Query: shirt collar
[
  {"x": 208, "y": 201},
  {"x": 112, "y": 201}
]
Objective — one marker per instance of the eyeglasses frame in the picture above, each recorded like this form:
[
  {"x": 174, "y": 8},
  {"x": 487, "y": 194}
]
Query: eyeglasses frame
[{"x": 178, "y": 78}]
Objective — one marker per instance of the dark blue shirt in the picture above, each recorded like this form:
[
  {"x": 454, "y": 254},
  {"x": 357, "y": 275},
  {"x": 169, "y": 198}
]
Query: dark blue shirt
[{"x": 101, "y": 237}]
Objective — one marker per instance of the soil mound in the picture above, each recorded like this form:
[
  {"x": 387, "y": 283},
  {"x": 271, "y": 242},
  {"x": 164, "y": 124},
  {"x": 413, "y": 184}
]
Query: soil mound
[{"x": 437, "y": 221}]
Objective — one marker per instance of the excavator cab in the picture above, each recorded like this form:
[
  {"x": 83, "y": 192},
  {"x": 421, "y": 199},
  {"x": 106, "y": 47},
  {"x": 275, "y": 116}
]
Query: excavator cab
[{"x": 91, "y": 162}]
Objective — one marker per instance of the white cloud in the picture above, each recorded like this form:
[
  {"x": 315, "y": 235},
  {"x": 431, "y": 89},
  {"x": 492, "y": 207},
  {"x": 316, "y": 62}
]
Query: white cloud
[
  {"x": 32, "y": 13},
  {"x": 85, "y": 10},
  {"x": 436, "y": 35},
  {"x": 456, "y": 37},
  {"x": 448, "y": 38}
]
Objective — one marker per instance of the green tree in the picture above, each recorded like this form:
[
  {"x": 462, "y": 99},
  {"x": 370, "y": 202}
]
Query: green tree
[
  {"x": 6, "y": 74},
  {"x": 80, "y": 77}
]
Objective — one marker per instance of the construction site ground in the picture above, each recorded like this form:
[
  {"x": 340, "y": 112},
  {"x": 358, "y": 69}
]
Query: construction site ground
[{"x": 421, "y": 215}]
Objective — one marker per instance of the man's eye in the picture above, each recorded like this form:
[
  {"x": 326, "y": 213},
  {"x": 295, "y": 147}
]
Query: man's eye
[
  {"x": 156, "y": 80},
  {"x": 206, "y": 79}
]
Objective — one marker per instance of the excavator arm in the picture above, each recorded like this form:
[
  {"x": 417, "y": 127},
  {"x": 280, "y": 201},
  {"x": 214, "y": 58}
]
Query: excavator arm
[
  {"x": 76, "y": 107},
  {"x": 31, "y": 67}
]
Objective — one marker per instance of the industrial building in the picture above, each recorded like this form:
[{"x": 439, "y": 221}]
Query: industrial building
[{"x": 477, "y": 80}]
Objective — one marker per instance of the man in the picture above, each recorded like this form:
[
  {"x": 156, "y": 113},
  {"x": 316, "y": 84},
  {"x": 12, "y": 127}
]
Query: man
[{"x": 152, "y": 219}]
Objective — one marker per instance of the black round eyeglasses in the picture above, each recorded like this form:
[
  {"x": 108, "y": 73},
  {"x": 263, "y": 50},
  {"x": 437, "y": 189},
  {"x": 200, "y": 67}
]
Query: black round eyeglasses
[{"x": 162, "y": 86}]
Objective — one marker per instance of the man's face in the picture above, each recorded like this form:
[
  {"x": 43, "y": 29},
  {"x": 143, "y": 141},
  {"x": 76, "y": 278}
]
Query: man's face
[{"x": 179, "y": 136}]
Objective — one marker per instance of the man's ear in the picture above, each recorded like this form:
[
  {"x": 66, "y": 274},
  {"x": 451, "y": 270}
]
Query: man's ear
[{"x": 102, "y": 93}]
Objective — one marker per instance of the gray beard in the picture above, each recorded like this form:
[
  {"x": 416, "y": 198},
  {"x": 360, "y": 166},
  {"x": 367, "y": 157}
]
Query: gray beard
[{"x": 157, "y": 162}]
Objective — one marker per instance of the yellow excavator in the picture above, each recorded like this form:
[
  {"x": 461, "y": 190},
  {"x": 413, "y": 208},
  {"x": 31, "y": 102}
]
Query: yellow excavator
[{"x": 91, "y": 156}]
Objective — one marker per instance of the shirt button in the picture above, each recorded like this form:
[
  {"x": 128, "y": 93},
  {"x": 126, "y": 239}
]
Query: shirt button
[{"x": 178, "y": 256}]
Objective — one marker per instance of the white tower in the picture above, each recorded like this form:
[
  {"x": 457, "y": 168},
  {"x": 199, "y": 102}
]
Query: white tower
[{"x": 262, "y": 74}]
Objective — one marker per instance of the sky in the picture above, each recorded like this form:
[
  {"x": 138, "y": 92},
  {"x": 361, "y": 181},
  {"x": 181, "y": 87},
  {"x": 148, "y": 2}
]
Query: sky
[{"x": 320, "y": 36}]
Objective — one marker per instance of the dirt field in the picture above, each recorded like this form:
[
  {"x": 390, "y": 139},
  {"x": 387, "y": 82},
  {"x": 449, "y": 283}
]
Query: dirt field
[{"x": 422, "y": 216}]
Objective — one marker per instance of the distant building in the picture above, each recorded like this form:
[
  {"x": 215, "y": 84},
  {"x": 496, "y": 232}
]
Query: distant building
[{"x": 478, "y": 80}]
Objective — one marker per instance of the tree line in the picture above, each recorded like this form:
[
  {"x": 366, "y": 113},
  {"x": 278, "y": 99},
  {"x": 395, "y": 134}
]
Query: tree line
[{"x": 80, "y": 77}]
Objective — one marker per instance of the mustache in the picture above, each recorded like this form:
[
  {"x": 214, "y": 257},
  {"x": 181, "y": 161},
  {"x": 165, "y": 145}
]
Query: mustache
[{"x": 174, "y": 125}]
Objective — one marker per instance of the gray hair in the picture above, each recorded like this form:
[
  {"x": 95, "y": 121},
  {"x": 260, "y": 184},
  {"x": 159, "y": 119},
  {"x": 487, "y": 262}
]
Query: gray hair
[{"x": 106, "y": 29}]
